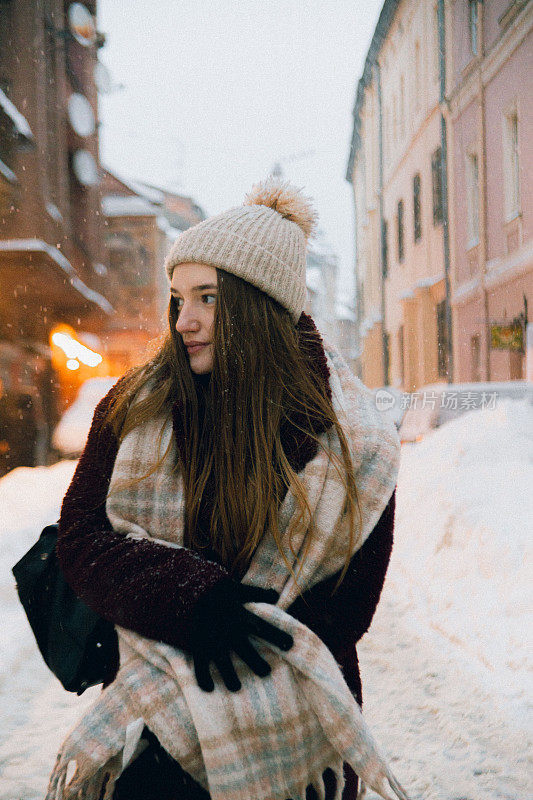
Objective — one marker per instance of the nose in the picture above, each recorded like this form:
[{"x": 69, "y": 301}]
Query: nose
[{"x": 187, "y": 321}]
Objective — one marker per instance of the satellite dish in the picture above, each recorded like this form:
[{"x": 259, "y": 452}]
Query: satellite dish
[
  {"x": 85, "y": 168},
  {"x": 81, "y": 24},
  {"x": 102, "y": 78},
  {"x": 80, "y": 114}
]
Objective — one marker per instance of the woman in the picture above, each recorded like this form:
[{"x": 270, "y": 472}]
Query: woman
[{"x": 232, "y": 514}]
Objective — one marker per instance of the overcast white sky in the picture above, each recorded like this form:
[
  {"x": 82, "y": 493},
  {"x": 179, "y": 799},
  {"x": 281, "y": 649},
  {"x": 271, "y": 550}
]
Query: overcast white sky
[{"x": 215, "y": 93}]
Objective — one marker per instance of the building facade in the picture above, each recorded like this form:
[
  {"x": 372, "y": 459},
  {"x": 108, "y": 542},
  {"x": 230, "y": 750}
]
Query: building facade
[
  {"x": 51, "y": 229},
  {"x": 491, "y": 103},
  {"x": 395, "y": 167},
  {"x": 443, "y": 262},
  {"x": 140, "y": 222},
  {"x": 412, "y": 228},
  {"x": 321, "y": 281},
  {"x": 334, "y": 319},
  {"x": 82, "y": 286}
]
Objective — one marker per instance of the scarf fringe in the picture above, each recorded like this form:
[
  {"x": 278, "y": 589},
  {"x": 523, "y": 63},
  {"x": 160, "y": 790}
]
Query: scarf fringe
[
  {"x": 100, "y": 786},
  {"x": 319, "y": 785}
]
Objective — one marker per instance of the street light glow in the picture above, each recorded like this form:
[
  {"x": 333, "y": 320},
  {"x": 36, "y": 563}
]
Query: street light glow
[
  {"x": 76, "y": 351},
  {"x": 73, "y": 364}
]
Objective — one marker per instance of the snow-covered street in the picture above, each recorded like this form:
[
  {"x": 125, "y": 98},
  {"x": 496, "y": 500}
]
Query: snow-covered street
[
  {"x": 445, "y": 664},
  {"x": 446, "y": 734}
]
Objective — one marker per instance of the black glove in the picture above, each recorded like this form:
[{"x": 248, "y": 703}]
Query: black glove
[{"x": 221, "y": 625}]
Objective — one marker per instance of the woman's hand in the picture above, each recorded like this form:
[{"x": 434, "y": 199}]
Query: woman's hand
[{"x": 221, "y": 626}]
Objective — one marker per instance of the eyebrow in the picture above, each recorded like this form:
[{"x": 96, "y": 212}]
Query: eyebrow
[{"x": 201, "y": 288}]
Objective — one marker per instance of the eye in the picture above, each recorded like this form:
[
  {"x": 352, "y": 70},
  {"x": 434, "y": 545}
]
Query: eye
[
  {"x": 213, "y": 297},
  {"x": 175, "y": 300}
]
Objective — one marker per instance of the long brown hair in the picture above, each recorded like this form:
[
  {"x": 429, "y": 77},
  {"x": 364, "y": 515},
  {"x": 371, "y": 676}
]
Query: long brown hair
[{"x": 260, "y": 383}]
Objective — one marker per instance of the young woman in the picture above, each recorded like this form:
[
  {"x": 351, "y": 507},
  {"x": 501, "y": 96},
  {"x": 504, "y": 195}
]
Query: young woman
[{"x": 232, "y": 514}]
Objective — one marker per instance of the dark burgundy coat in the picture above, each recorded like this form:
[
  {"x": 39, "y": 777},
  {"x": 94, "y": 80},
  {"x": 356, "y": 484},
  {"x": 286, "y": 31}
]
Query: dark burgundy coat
[{"x": 153, "y": 589}]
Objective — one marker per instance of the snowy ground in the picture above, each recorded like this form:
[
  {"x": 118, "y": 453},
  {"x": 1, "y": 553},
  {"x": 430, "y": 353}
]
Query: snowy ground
[{"x": 445, "y": 664}]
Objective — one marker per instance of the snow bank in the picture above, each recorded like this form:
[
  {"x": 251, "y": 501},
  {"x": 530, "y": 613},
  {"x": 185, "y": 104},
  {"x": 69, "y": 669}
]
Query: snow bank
[
  {"x": 463, "y": 550},
  {"x": 71, "y": 433}
]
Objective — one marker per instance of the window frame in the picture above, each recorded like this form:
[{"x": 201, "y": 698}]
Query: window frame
[
  {"x": 402, "y": 109},
  {"x": 475, "y": 357},
  {"x": 511, "y": 164},
  {"x": 436, "y": 185},
  {"x": 472, "y": 198},
  {"x": 417, "y": 208},
  {"x": 442, "y": 340},
  {"x": 401, "y": 352},
  {"x": 418, "y": 76},
  {"x": 473, "y": 26},
  {"x": 384, "y": 248},
  {"x": 436, "y": 49},
  {"x": 400, "y": 230}
]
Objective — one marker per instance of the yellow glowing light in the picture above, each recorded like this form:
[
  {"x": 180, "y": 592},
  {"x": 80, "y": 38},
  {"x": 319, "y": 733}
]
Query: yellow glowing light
[
  {"x": 76, "y": 350},
  {"x": 73, "y": 364}
]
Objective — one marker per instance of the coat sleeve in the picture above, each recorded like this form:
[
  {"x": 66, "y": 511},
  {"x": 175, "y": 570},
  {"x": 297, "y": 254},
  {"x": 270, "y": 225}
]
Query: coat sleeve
[
  {"x": 137, "y": 584},
  {"x": 340, "y": 619}
]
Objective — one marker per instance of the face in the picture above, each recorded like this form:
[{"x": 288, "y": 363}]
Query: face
[{"x": 194, "y": 287}]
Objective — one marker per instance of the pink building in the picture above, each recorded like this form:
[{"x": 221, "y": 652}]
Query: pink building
[
  {"x": 491, "y": 186},
  {"x": 395, "y": 166}
]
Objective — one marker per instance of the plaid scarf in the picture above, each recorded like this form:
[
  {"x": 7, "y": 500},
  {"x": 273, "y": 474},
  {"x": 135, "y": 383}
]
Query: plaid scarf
[{"x": 278, "y": 734}]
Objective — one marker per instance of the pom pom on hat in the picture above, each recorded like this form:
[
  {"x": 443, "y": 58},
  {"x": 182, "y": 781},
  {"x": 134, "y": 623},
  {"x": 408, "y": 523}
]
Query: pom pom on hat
[{"x": 287, "y": 200}]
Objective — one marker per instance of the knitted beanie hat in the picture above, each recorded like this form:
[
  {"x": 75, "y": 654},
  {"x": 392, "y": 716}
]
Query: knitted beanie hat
[{"x": 263, "y": 241}]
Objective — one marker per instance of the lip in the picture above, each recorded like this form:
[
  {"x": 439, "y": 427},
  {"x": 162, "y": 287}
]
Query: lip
[{"x": 196, "y": 347}]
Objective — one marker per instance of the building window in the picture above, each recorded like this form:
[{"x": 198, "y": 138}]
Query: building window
[
  {"x": 442, "y": 341},
  {"x": 6, "y": 18},
  {"x": 436, "y": 49},
  {"x": 394, "y": 122},
  {"x": 475, "y": 357},
  {"x": 118, "y": 262},
  {"x": 436, "y": 178},
  {"x": 472, "y": 23},
  {"x": 418, "y": 76},
  {"x": 7, "y": 143},
  {"x": 385, "y": 132},
  {"x": 7, "y": 140},
  {"x": 511, "y": 166},
  {"x": 400, "y": 231},
  {"x": 386, "y": 346},
  {"x": 384, "y": 248},
  {"x": 402, "y": 108},
  {"x": 52, "y": 105},
  {"x": 417, "y": 213},
  {"x": 363, "y": 188},
  {"x": 401, "y": 354},
  {"x": 473, "y": 199}
]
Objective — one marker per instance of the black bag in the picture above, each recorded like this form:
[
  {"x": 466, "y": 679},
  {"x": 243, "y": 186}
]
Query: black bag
[{"x": 78, "y": 646}]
